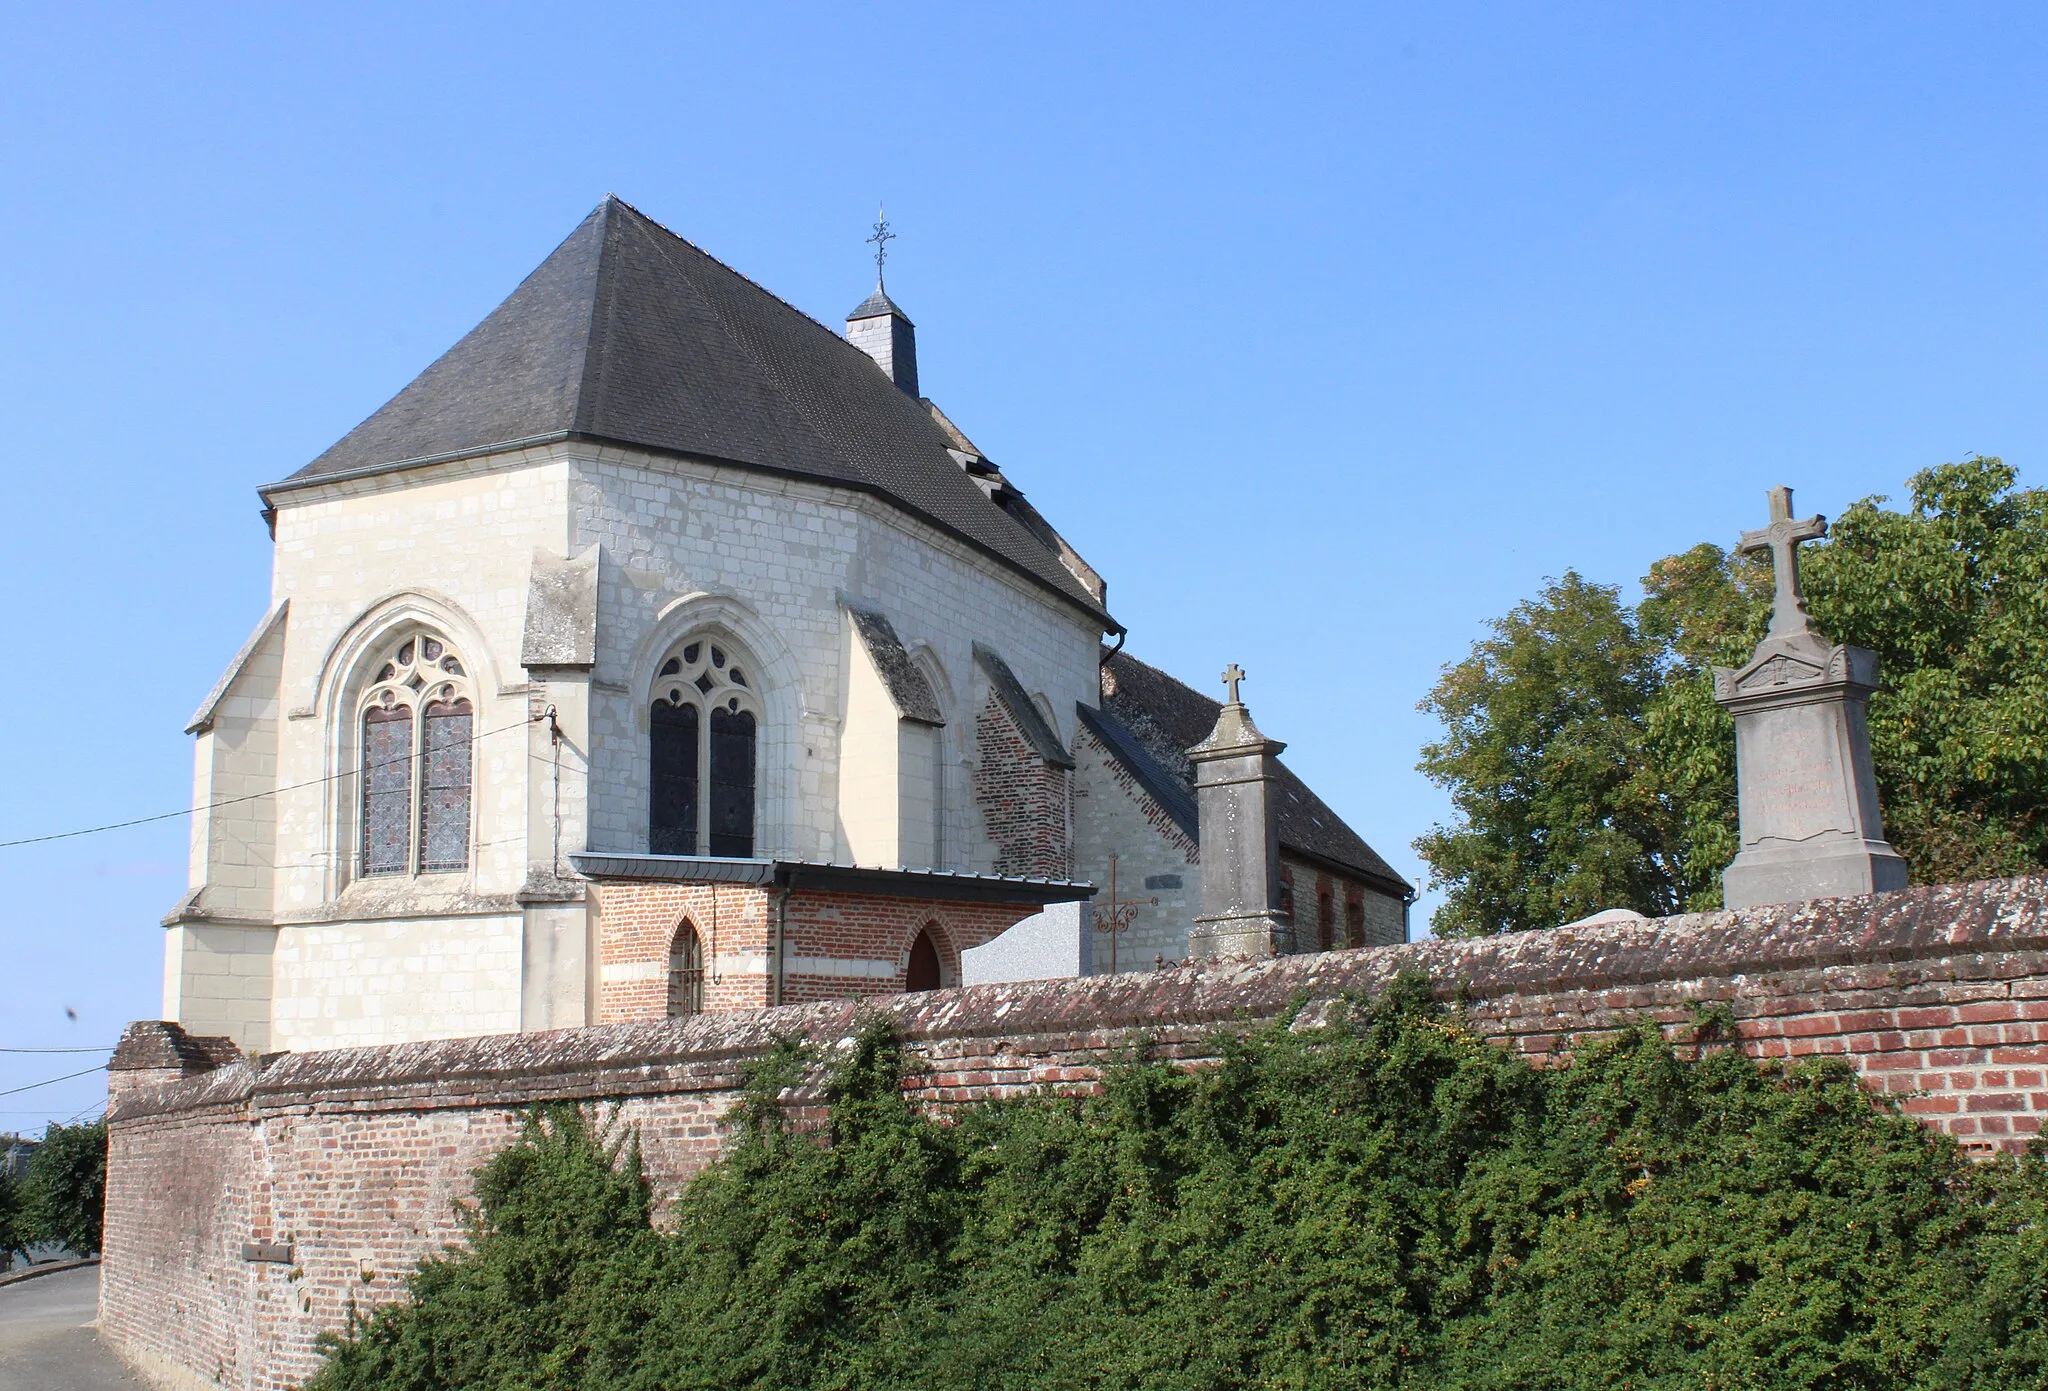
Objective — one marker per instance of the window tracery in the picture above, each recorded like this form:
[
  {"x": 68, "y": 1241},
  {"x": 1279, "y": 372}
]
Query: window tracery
[
  {"x": 703, "y": 729},
  {"x": 417, "y": 725}
]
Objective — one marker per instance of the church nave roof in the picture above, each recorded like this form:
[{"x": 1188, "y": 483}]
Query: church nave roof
[{"x": 629, "y": 334}]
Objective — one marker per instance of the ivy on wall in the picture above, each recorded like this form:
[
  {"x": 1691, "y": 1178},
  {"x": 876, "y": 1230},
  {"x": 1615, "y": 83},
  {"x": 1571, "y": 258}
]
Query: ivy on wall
[{"x": 1386, "y": 1202}]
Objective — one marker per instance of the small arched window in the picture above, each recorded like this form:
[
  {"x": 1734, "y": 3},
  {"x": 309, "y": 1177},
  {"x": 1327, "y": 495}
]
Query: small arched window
[
  {"x": 703, "y": 732},
  {"x": 685, "y": 972},
  {"x": 1354, "y": 920},
  {"x": 926, "y": 971},
  {"x": 417, "y": 729},
  {"x": 1326, "y": 920}
]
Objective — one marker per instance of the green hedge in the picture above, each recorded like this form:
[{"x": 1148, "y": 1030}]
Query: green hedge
[
  {"x": 60, "y": 1199},
  {"x": 1389, "y": 1202}
]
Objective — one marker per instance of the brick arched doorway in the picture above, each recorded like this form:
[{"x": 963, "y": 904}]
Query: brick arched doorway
[{"x": 927, "y": 971}]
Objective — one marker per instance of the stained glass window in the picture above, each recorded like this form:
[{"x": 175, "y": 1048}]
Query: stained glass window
[
  {"x": 417, "y": 764},
  {"x": 703, "y": 736},
  {"x": 387, "y": 789},
  {"x": 672, "y": 822},
  {"x": 444, "y": 795},
  {"x": 685, "y": 973},
  {"x": 732, "y": 783}
]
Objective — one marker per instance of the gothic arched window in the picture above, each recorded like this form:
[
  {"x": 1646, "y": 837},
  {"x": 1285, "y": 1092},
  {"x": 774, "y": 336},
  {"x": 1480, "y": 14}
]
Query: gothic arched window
[
  {"x": 685, "y": 972},
  {"x": 417, "y": 727},
  {"x": 926, "y": 972},
  {"x": 1326, "y": 921},
  {"x": 703, "y": 729}
]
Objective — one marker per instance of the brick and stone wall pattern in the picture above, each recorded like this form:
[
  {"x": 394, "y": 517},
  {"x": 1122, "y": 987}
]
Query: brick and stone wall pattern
[
  {"x": 1023, "y": 799},
  {"x": 836, "y": 945},
  {"x": 1155, "y": 859},
  {"x": 1937, "y": 997}
]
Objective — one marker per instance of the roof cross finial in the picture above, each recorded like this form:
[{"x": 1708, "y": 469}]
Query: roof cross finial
[
  {"x": 880, "y": 241},
  {"x": 1232, "y": 674}
]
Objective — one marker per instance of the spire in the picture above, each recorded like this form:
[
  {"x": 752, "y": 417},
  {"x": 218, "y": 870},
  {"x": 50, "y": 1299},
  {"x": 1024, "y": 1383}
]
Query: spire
[{"x": 878, "y": 328}]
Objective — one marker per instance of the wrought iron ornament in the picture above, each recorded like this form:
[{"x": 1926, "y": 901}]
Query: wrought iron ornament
[{"x": 880, "y": 242}]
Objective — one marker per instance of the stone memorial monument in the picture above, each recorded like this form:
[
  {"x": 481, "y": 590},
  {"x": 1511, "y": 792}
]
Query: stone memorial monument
[
  {"x": 1240, "y": 838},
  {"x": 1807, "y": 796}
]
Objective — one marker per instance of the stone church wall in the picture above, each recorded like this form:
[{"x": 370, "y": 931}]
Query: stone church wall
[
  {"x": 346, "y": 984},
  {"x": 767, "y": 557},
  {"x": 338, "y": 1169},
  {"x": 1155, "y": 859},
  {"x": 451, "y": 545}
]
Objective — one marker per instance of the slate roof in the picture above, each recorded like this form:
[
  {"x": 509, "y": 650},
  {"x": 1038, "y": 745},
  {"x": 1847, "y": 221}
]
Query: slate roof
[
  {"x": 1023, "y": 709},
  {"x": 1143, "y": 705},
  {"x": 1175, "y": 797},
  {"x": 905, "y": 681},
  {"x": 876, "y": 306},
  {"x": 629, "y": 334}
]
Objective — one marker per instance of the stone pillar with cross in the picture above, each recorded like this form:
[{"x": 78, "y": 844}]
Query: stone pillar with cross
[
  {"x": 1236, "y": 805},
  {"x": 1807, "y": 797}
]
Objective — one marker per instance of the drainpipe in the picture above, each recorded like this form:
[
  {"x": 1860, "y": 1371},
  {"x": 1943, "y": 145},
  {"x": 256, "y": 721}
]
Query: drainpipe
[{"x": 781, "y": 936}]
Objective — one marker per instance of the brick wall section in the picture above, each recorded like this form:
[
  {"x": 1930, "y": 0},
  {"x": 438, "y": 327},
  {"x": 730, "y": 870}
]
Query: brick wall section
[
  {"x": 1023, "y": 799},
  {"x": 1380, "y": 915},
  {"x": 637, "y": 923},
  {"x": 832, "y": 934},
  {"x": 836, "y": 945},
  {"x": 1938, "y": 997}
]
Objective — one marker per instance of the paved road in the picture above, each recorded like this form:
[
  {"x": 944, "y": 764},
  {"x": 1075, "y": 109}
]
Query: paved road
[{"x": 46, "y": 1343}]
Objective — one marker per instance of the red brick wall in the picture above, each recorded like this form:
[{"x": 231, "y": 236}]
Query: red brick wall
[
  {"x": 843, "y": 927},
  {"x": 836, "y": 945},
  {"x": 1938, "y": 997},
  {"x": 636, "y": 923},
  {"x": 1022, "y": 798}
]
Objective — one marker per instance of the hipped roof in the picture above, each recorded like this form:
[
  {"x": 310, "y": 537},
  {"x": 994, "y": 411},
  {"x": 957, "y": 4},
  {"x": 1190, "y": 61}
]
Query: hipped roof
[{"x": 629, "y": 334}]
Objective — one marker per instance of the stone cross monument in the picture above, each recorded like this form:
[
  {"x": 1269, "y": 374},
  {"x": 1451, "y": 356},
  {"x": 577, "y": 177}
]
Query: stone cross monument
[
  {"x": 1240, "y": 838},
  {"x": 1807, "y": 797}
]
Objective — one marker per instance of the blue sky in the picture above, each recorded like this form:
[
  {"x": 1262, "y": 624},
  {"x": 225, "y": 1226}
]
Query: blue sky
[{"x": 1326, "y": 333}]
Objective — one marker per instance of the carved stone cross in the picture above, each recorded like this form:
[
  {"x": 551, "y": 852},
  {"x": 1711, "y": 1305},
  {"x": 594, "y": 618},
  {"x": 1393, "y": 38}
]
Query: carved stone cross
[
  {"x": 1231, "y": 676},
  {"x": 1781, "y": 538}
]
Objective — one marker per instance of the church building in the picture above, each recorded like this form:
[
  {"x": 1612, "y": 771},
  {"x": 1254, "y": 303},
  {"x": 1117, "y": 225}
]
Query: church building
[{"x": 659, "y": 650}]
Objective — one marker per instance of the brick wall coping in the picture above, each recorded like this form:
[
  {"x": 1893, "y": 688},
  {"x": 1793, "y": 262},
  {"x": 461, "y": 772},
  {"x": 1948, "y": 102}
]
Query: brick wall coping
[{"x": 1955, "y": 923}]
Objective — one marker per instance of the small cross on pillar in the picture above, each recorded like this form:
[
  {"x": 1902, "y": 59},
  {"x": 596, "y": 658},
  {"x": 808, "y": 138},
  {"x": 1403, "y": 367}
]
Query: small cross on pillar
[
  {"x": 1781, "y": 538},
  {"x": 1231, "y": 676}
]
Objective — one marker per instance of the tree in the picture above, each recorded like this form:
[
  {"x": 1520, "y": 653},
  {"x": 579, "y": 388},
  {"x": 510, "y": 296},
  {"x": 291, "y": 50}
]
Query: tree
[
  {"x": 1590, "y": 767},
  {"x": 65, "y": 1190},
  {"x": 1544, "y": 731},
  {"x": 11, "y": 1239}
]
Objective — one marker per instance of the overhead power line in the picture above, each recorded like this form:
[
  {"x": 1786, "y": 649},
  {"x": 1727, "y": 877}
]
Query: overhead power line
[
  {"x": 51, "y": 1082},
  {"x": 231, "y": 801},
  {"x": 107, "y": 1049}
]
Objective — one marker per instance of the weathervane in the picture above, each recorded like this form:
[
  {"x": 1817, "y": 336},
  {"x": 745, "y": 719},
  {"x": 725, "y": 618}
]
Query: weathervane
[
  {"x": 1114, "y": 915},
  {"x": 880, "y": 241}
]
